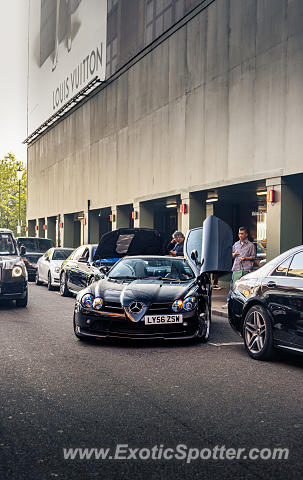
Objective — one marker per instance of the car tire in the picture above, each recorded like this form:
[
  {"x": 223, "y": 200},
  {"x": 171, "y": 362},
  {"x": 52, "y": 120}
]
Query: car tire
[
  {"x": 22, "y": 302},
  {"x": 37, "y": 281},
  {"x": 257, "y": 334},
  {"x": 204, "y": 326},
  {"x": 64, "y": 291},
  {"x": 49, "y": 281}
]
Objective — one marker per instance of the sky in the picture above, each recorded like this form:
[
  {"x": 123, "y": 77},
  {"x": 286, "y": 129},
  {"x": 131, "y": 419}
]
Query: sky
[{"x": 13, "y": 77}]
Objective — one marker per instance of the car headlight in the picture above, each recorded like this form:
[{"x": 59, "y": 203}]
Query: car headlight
[
  {"x": 98, "y": 303},
  {"x": 189, "y": 303},
  {"x": 177, "y": 305},
  {"x": 17, "y": 271},
  {"x": 87, "y": 300}
]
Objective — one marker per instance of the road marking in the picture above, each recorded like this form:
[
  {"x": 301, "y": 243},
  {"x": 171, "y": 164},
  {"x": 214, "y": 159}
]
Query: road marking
[{"x": 225, "y": 344}]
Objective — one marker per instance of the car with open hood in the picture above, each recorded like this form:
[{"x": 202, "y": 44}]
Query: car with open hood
[
  {"x": 150, "y": 296},
  {"x": 31, "y": 249},
  {"x": 13, "y": 274},
  {"x": 89, "y": 263}
]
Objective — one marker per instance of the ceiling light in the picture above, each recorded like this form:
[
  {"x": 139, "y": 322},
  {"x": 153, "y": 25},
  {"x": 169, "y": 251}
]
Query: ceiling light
[
  {"x": 171, "y": 205},
  {"x": 262, "y": 192}
]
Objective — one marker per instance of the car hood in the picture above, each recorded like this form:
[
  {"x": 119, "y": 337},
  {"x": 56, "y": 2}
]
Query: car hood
[
  {"x": 131, "y": 241},
  {"x": 147, "y": 292}
]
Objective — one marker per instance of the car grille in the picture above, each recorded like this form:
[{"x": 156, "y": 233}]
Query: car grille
[
  {"x": 113, "y": 307},
  {"x": 160, "y": 308},
  {"x": 12, "y": 287},
  {"x": 117, "y": 326}
]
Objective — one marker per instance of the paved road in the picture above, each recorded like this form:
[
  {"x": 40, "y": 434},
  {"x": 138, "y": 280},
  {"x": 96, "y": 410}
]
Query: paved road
[{"x": 57, "y": 392}]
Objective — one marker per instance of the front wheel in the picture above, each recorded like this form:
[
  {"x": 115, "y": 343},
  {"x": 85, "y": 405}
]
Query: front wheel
[
  {"x": 64, "y": 291},
  {"x": 204, "y": 326},
  {"x": 257, "y": 333},
  {"x": 37, "y": 281},
  {"x": 22, "y": 302},
  {"x": 49, "y": 281}
]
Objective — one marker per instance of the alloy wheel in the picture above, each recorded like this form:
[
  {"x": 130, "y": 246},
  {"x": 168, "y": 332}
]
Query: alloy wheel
[{"x": 255, "y": 332}]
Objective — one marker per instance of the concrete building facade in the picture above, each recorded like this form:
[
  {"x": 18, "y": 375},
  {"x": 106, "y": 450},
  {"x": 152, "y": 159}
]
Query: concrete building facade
[{"x": 204, "y": 119}]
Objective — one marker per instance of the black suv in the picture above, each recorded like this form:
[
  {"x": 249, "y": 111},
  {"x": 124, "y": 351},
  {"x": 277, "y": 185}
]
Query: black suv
[
  {"x": 13, "y": 275},
  {"x": 32, "y": 249}
]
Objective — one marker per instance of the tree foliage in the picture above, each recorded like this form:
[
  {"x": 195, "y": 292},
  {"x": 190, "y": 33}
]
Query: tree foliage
[{"x": 9, "y": 194}]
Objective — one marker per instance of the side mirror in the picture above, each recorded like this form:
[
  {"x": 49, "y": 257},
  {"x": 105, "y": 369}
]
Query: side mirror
[
  {"x": 83, "y": 260},
  {"x": 22, "y": 250}
]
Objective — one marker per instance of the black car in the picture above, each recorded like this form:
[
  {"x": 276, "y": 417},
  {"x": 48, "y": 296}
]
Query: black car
[
  {"x": 150, "y": 296},
  {"x": 32, "y": 249},
  {"x": 78, "y": 270},
  {"x": 88, "y": 263},
  {"x": 266, "y": 306},
  {"x": 13, "y": 275}
]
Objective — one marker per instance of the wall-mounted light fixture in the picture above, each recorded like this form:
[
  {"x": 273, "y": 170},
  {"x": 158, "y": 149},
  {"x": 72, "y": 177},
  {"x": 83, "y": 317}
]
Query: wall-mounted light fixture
[
  {"x": 212, "y": 197},
  {"x": 112, "y": 217},
  {"x": 44, "y": 227},
  {"x": 184, "y": 208},
  {"x": 270, "y": 196},
  {"x": 135, "y": 215}
]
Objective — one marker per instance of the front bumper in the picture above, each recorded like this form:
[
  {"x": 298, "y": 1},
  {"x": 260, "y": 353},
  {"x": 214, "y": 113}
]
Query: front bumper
[
  {"x": 13, "y": 289},
  {"x": 91, "y": 324}
]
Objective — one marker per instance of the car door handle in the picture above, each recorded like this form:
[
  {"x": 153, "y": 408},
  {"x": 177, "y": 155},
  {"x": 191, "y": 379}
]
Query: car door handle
[{"x": 271, "y": 284}]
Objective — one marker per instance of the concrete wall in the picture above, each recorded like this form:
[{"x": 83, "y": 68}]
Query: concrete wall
[{"x": 219, "y": 102}]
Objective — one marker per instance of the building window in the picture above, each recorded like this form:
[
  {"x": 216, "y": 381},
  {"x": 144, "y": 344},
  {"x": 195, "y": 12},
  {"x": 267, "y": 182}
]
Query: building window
[{"x": 160, "y": 15}]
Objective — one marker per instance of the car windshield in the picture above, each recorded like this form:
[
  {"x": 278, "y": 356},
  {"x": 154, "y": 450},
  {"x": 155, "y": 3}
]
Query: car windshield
[
  {"x": 36, "y": 244},
  {"x": 161, "y": 268},
  {"x": 7, "y": 244},
  {"x": 61, "y": 254}
]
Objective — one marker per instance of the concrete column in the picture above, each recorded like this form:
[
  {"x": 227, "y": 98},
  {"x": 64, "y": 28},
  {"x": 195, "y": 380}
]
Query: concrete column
[
  {"x": 284, "y": 217},
  {"x": 51, "y": 228},
  {"x": 145, "y": 216},
  {"x": 84, "y": 229},
  {"x": 114, "y": 212},
  {"x": 195, "y": 215},
  {"x": 209, "y": 209}
]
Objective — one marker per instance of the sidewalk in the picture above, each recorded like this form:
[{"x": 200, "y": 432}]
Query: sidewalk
[{"x": 218, "y": 299}]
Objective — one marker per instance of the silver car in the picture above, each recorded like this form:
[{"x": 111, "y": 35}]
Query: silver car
[{"x": 49, "y": 266}]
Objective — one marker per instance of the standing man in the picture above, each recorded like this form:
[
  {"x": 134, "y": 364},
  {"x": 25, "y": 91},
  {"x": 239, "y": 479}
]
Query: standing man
[
  {"x": 179, "y": 240},
  {"x": 243, "y": 254}
]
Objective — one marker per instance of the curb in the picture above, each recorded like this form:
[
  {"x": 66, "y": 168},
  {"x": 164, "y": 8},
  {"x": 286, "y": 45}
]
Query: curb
[{"x": 219, "y": 313}]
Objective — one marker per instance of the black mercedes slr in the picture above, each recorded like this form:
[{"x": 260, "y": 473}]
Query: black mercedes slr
[
  {"x": 266, "y": 306},
  {"x": 153, "y": 296},
  {"x": 146, "y": 297}
]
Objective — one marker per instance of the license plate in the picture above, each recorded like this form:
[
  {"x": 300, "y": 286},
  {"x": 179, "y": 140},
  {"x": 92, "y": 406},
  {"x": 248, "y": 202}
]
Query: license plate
[{"x": 162, "y": 319}]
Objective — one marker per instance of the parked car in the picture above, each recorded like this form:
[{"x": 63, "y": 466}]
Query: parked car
[
  {"x": 266, "y": 306},
  {"x": 13, "y": 274},
  {"x": 78, "y": 270},
  {"x": 152, "y": 296},
  {"x": 89, "y": 263},
  {"x": 49, "y": 266},
  {"x": 33, "y": 249}
]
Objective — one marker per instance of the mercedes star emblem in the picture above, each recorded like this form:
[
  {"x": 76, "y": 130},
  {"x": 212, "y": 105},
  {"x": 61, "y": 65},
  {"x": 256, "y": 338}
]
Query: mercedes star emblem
[{"x": 135, "y": 307}]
